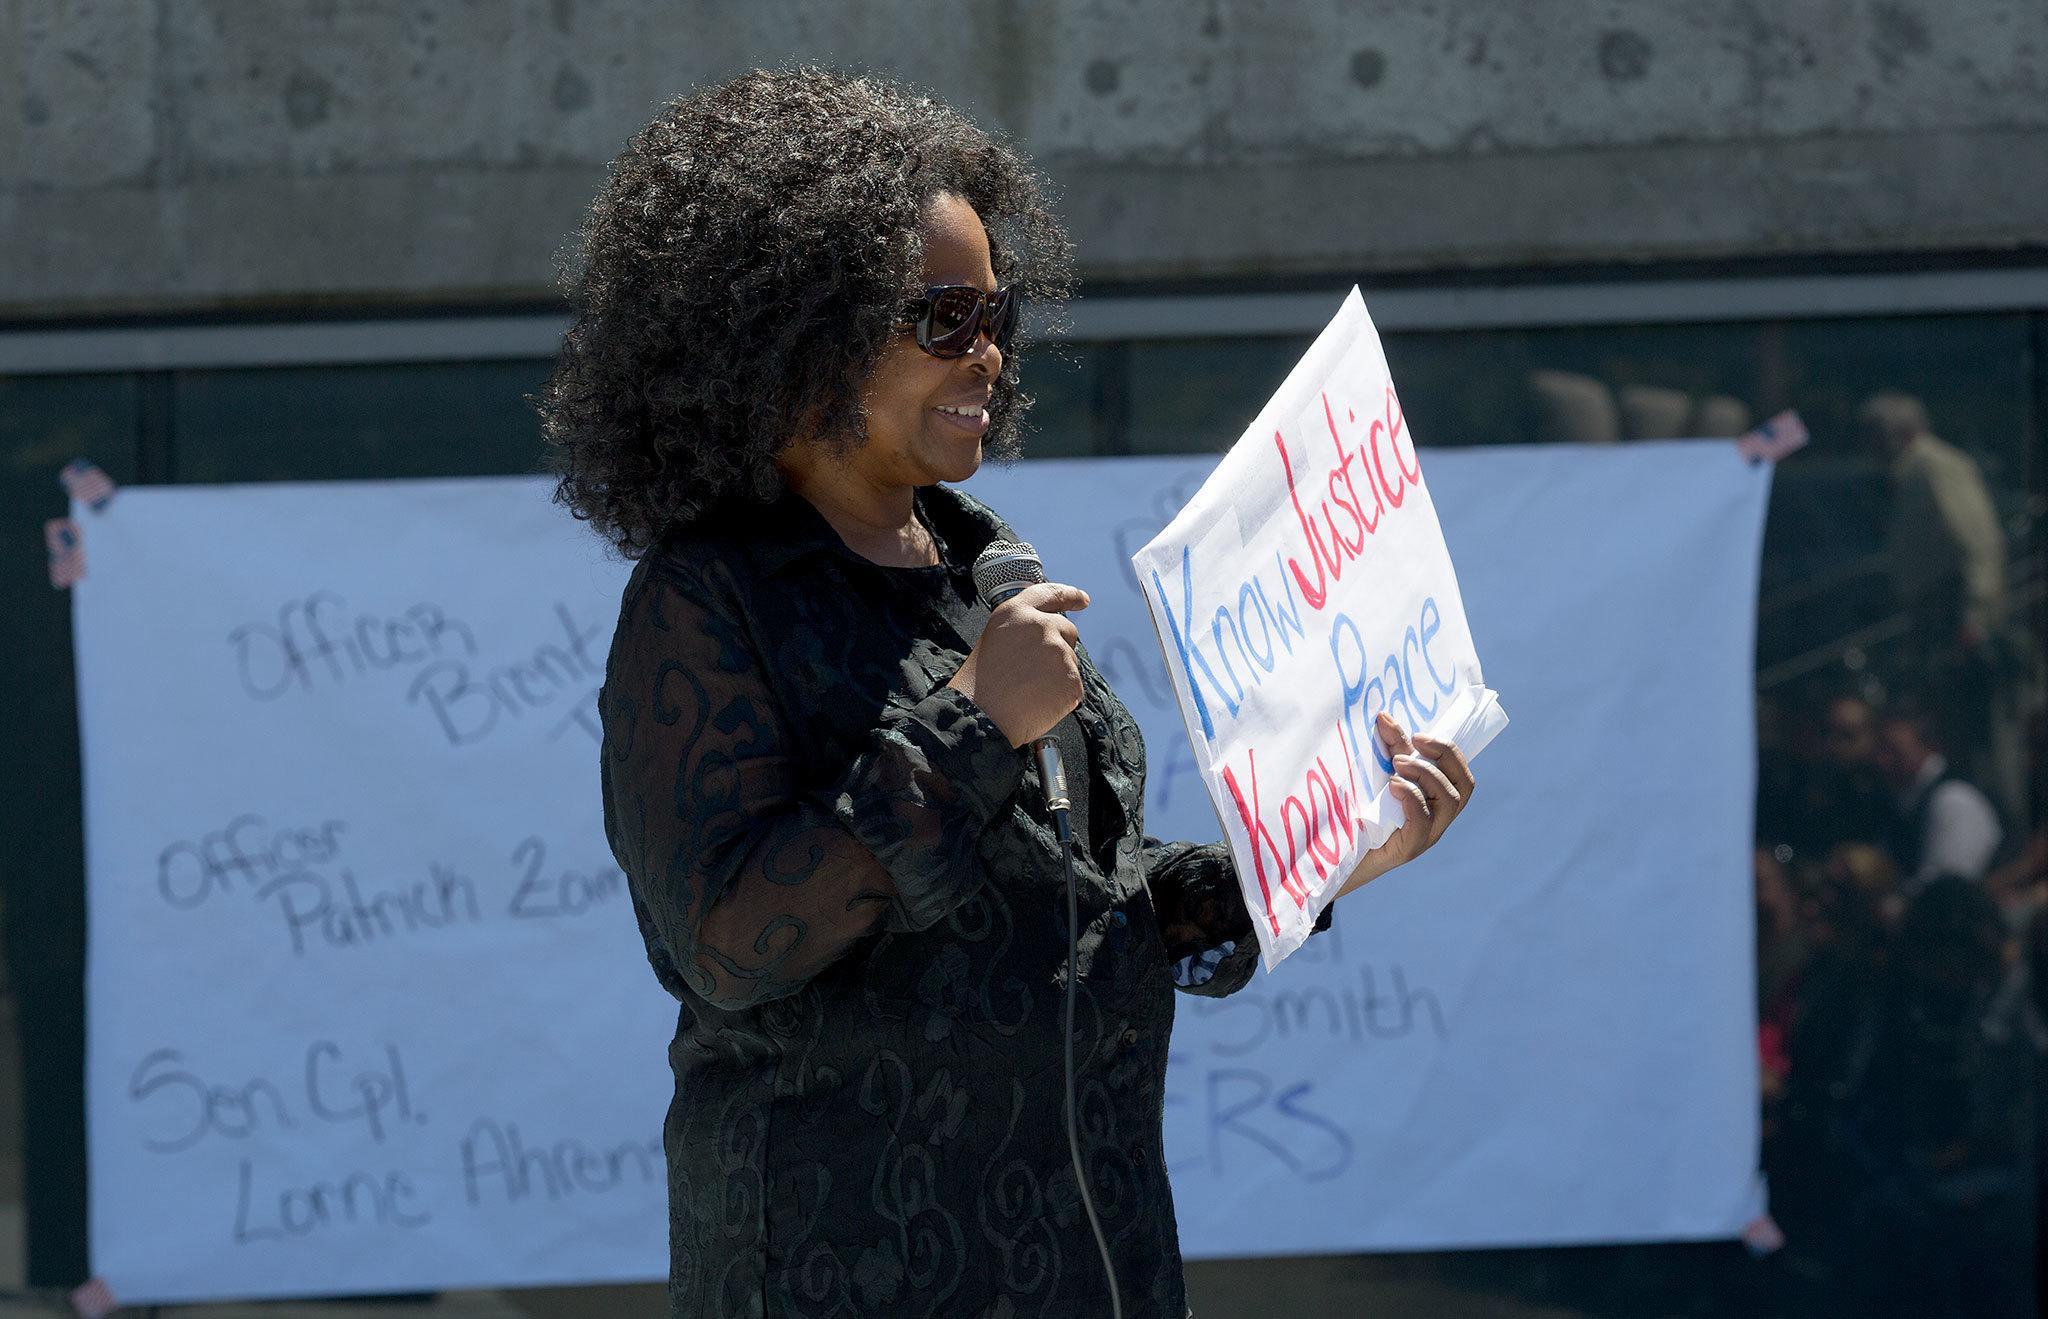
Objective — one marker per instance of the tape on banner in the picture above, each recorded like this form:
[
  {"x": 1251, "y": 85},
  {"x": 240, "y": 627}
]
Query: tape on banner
[
  {"x": 1763, "y": 1236},
  {"x": 67, "y": 552},
  {"x": 1775, "y": 440},
  {"x": 87, "y": 484},
  {"x": 93, "y": 1299}
]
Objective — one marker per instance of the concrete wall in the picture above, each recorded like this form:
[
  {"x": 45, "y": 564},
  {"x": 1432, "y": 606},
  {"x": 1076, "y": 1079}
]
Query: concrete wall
[{"x": 189, "y": 154}]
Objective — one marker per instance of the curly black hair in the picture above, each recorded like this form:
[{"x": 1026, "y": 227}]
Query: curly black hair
[{"x": 742, "y": 271}]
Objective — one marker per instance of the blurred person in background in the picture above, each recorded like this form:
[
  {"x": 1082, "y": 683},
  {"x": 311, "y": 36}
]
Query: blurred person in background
[
  {"x": 1941, "y": 1123},
  {"x": 1811, "y": 1154},
  {"x": 1843, "y": 794},
  {"x": 1855, "y": 796},
  {"x": 1947, "y": 551},
  {"x": 1872, "y": 874},
  {"x": 2019, "y": 883},
  {"x": 1781, "y": 955},
  {"x": 1818, "y": 783},
  {"x": 1946, "y": 824}
]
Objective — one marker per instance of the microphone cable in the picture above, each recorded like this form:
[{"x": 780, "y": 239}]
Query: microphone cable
[
  {"x": 1066, "y": 833},
  {"x": 1002, "y": 569}
]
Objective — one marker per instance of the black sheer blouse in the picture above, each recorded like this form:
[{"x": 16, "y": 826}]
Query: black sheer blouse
[{"x": 846, "y": 877}]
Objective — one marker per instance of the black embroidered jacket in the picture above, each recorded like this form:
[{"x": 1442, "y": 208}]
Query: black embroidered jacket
[{"x": 846, "y": 876}]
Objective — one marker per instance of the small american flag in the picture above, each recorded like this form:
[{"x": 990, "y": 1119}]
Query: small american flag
[
  {"x": 93, "y": 1300},
  {"x": 1200, "y": 968},
  {"x": 1775, "y": 440},
  {"x": 86, "y": 484},
  {"x": 67, "y": 552}
]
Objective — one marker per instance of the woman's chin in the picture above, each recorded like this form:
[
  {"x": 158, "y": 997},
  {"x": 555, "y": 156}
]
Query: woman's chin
[{"x": 958, "y": 461}]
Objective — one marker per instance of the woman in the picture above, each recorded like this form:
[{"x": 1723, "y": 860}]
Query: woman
[{"x": 795, "y": 320}]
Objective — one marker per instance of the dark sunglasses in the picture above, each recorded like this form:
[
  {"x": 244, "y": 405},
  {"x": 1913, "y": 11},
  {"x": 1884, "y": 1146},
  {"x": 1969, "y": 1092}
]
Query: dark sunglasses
[{"x": 949, "y": 317}]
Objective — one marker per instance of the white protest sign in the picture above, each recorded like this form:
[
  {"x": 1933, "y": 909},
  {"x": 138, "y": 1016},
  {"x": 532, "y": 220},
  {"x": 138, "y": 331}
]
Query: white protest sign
[
  {"x": 367, "y": 1006},
  {"x": 1543, "y": 1031},
  {"x": 1303, "y": 590}
]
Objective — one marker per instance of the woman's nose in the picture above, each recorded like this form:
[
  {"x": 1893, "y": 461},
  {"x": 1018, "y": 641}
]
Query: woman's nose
[{"x": 985, "y": 357}]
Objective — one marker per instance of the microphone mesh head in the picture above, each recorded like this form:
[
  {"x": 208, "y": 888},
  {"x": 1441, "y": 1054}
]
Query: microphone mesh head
[{"x": 1005, "y": 568}]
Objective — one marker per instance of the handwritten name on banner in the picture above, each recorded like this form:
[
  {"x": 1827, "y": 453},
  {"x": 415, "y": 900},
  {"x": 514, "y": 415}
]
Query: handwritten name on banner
[{"x": 1305, "y": 588}]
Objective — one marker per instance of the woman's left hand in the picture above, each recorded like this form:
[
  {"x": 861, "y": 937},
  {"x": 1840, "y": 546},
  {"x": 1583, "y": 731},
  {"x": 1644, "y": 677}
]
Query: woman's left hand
[{"x": 1433, "y": 782}]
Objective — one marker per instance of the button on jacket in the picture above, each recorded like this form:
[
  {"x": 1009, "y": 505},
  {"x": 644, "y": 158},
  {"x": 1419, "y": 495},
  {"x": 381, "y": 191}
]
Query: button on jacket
[{"x": 845, "y": 875}]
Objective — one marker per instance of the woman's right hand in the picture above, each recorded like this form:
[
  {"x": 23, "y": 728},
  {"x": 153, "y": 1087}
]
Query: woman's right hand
[{"x": 1022, "y": 673}]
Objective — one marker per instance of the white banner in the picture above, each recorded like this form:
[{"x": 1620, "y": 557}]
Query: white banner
[
  {"x": 1302, "y": 592},
  {"x": 367, "y": 1009}
]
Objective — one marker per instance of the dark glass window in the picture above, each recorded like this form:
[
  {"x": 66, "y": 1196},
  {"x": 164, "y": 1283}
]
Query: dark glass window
[
  {"x": 1065, "y": 384},
  {"x": 323, "y": 423},
  {"x": 45, "y": 421},
  {"x": 1198, "y": 395}
]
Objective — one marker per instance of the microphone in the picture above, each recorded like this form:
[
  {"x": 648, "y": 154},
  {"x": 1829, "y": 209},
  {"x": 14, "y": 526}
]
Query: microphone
[{"x": 1000, "y": 571}]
